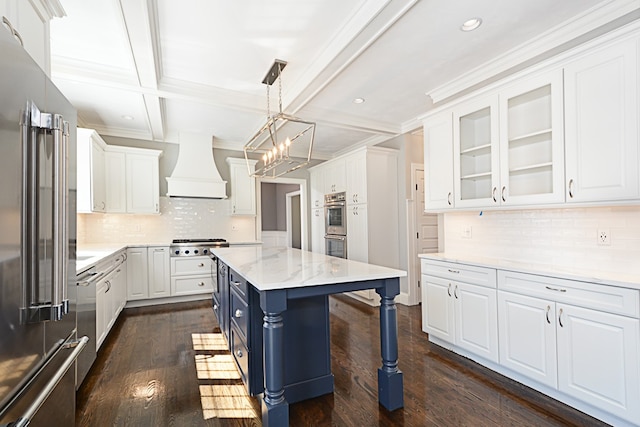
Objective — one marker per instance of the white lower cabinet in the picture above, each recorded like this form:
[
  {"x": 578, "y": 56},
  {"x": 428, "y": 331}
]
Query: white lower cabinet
[
  {"x": 159, "y": 272},
  {"x": 576, "y": 341},
  {"x": 461, "y": 314},
  {"x": 148, "y": 273},
  {"x": 191, "y": 275},
  {"x": 110, "y": 295}
]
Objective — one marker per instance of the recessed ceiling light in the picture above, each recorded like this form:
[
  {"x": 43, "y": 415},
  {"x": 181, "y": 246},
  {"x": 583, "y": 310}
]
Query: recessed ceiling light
[
  {"x": 127, "y": 117},
  {"x": 471, "y": 24},
  {"x": 358, "y": 100}
]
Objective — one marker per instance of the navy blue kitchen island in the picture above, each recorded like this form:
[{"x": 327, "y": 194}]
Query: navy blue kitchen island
[{"x": 272, "y": 305}]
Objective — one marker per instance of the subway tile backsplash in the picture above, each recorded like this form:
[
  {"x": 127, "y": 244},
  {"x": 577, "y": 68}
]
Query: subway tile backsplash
[
  {"x": 556, "y": 237},
  {"x": 179, "y": 218}
]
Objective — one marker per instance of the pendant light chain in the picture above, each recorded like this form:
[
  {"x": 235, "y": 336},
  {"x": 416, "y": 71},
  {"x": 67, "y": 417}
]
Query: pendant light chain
[{"x": 280, "y": 87}]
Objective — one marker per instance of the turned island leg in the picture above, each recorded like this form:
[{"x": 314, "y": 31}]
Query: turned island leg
[
  {"x": 275, "y": 408},
  {"x": 390, "y": 385}
]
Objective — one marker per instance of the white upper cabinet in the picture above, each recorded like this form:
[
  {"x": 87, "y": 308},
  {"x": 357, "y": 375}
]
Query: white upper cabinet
[
  {"x": 438, "y": 162},
  {"x": 476, "y": 153},
  {"x": 28, "y": 21},
  {"x": 316, "y": 181},
  {"x": 356, "y": 174},
  {"x": 335, "y": 176},
  {"x": 142, "y": 178},
  {"x": 243, "y": 187},
  {"x": 115, "y": 172},
  {"x": 532, "y": 141},
  {"x": 601, "y": 120},
  {"x": 91, "y": 181}
]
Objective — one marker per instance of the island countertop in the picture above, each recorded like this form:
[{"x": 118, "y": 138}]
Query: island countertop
[{"x": 285, "y": 268}]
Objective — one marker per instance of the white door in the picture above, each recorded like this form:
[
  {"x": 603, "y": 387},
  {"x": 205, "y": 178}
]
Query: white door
[
  {"x": 426, "y": 234},
  {"x": 598, "y": 359},
  {"x": 437, "y": 308},
  {"x": 476, "y": 320},
  {"x": 527, "y": 336},
  {"x": 601, "y": 125}
]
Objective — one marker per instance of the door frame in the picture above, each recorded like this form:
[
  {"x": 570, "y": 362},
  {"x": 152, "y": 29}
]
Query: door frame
[
  {"x": 304, "y": 219},
  {"x": 413, "y": 272},
  {"x": 289, "y": 196}
]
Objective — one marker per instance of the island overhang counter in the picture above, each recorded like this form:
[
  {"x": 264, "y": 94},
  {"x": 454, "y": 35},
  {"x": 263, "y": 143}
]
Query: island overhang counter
[{"x": 281, "y": 278}]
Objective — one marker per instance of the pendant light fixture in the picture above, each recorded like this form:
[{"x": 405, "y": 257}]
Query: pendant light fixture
[{"x": 284, "y": 142}]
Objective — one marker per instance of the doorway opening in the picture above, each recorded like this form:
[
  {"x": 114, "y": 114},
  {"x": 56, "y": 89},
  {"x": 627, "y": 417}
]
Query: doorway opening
[{"x": 282, "y": 217}]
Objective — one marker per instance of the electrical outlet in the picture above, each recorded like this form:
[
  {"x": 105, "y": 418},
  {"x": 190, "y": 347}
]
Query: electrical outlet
[
  {"x": 234, "y": 227},
  {"x": 604, "y": 237},
  {"x": 466, "y": 232}
]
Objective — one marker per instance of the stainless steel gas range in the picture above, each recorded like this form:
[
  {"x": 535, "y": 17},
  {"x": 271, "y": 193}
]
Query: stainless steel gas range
[{"x": 195, "y": 247}]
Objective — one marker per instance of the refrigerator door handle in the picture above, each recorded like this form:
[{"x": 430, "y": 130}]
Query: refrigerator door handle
[
  {"x": 33, "y": 122},
  {"x": 25, "y": 419}
]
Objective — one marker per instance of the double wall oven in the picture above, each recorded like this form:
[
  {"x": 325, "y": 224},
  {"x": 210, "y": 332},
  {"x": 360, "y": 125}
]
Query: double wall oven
[{"x": 335, "y": 224}]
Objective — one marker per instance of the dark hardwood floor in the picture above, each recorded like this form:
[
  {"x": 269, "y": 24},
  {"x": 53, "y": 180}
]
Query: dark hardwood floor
[{"x": 146, "y": 374}]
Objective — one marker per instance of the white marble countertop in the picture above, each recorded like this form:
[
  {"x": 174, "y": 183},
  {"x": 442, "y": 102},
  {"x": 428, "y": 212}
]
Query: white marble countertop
[
  {"x": 286, "y": 268},
  {"x": 609, "y": 278},
  {"x": 91, "y": 254}
]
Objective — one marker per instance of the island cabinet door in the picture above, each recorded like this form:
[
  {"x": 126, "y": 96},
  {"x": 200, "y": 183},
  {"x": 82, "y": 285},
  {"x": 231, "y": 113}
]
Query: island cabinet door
[{"x": 598, "y": 359}]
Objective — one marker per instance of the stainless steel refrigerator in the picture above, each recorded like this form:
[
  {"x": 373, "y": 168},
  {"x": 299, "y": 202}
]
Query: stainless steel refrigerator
[{"x": 38, "y": 343}]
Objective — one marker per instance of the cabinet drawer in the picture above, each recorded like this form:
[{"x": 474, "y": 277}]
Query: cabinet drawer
[
  {"x": 481, "y": 276},
  {"x": 240, "y": 355},
  {"x": 589, "y": 295},
  {"x": 238, "y": 283},
  {"x": 190, "y": 266},
  {"x": 191, "y": 285},
  {"x": 239, "y": 313}
]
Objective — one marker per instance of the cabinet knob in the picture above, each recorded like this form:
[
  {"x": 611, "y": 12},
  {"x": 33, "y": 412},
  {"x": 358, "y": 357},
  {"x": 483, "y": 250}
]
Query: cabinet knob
[
  {"x": 215, "y": 307},
  {"x": 238, "y": 313},
  {"x": 239, "y": 353},
  {"x": 201, "y": 265},
  {"x": 201, "y": 284}
]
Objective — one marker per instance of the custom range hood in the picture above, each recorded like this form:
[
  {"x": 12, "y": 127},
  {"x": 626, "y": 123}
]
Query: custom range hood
[{"x": 195, "y": 174}]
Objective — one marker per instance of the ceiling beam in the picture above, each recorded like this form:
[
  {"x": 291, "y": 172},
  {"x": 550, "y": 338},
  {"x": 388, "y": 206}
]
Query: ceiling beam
[{"x": 140, "y": 21}]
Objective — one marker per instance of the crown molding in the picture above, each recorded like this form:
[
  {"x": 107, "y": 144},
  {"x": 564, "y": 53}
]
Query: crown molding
[{"x": 577, "y": 26}]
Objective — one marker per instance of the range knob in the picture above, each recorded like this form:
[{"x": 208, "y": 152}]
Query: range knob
[
  {"x": 205, "y": 251},
  {"x": 195, "y": 251},
  {"x": 178, "y": 252},
  {"x": 186, "y": 252}
]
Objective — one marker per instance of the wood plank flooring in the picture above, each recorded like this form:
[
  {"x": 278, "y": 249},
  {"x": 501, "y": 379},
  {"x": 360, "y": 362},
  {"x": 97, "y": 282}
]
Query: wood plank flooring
[{"x": 146, "y": 375}]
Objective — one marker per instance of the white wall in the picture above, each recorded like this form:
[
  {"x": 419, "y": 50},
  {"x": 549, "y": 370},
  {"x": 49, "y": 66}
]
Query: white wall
[
  {"x": 179, "y": 218},
  {"x": 555, "y": 237}
]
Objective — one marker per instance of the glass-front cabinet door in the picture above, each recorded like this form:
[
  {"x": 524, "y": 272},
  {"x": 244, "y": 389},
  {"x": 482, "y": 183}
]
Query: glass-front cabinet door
[
  {"x": 476, "y": 153},
  {"x": 532, "y": 142}
]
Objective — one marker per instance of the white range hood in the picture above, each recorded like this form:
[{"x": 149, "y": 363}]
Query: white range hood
[{"x": 195, "y": 174}]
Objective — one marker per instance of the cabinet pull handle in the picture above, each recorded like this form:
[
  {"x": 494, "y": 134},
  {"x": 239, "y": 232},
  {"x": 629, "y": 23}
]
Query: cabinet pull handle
[
  {"x": 493, "y": 194},
  {"x": 560, "y": 319},
  {"x": 237, "y": 284},
  {"x": 238, "y": 313},
  {"x": 239, "y": 353},
  {"x": 548, "y": 310},
  {"x": 215, "y": 307},
  {"x": 201, "y": 284},
  {"x": 571, "y": 188},
  {"x": 504, "y": 188},
  {"x": 449, "y": 198},
  {"x": 108, "y": 286},
  {"x": 12, "y": 30},
  {"x": 455, "y": 292},
  {"x": 449, "y": 289},
  {"x": 201, "y": 265},
  {"x": 453, "y": 271},
  {"x": 555, "y": 289}
]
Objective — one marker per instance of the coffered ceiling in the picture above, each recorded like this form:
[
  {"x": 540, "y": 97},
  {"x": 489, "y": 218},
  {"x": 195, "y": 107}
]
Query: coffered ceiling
[{"x": 150, "y": 69}]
